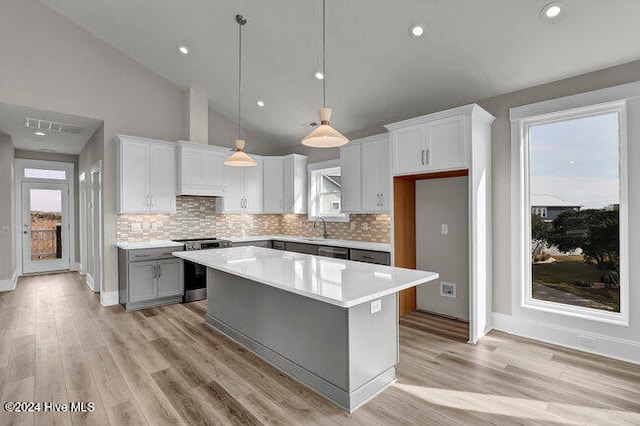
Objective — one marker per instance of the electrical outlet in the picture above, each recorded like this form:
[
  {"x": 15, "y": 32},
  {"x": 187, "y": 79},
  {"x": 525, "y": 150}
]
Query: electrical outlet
[
  {"x": 587, "y": 341},
  {"x": 376, "y": 306},
  {"x": 5, "y": 229},
  {"x": 444, "y": 229},
  {"x": 365, "y": 226},
  {"x": 447, "y": 289},
  {"x": 353, "y": 226}
]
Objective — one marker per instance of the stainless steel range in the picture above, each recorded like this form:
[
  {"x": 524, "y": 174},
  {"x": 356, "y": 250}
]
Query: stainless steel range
[{"x": 195, "y": 276}]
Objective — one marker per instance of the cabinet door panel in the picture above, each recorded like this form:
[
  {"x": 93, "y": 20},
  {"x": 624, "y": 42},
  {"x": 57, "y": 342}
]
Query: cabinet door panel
[
  {"x": 142, "y": 284},
  {"x": 134, "y": 177},
  {"x": 384, "y": 174},
  {"x": 170, "y": 278},
  {"x": 213, "y": 168},
  {"x": 193, "y": 167},
  {"x": 234, "y": 195},
  {"x": 351, "y": 169},
  {"x": 408, "y": 145},
  {"x": 371, "y": 161},
  {"x": 447, "y": 145},
  {"x": 253, "y": 188},
  {"x": 163, "y": 179},
  {"x": 273, "y": 185}
]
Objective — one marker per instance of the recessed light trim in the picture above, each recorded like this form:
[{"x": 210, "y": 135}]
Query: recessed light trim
[
  {"x": 260, "y": 103},
  {"x": 39, "y": 133},
  {"x": 184, "y": 50},
  {"x": 319, "y": 75},
  {"x": 416, "y": 31},
  {"x": 551, "y": 11}
]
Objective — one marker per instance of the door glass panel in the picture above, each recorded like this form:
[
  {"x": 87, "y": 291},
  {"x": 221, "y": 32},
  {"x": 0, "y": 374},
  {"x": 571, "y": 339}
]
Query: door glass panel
[
  {"x": 575, "y": 212},
  {"x": 46, "y": 224},
  {"x": 45, "y": 174}
]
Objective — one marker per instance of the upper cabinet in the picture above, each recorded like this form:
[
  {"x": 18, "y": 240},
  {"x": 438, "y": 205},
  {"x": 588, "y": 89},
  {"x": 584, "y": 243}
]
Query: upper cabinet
[
  {"x": 284, "y": 184},
  {"x": 200, "y": 169},
  {"x": 243, "y": 192},
  {"x": 366, "y": 180},
  {"x": 146, "y": 175},
  {"x": 435, "y": 142}
]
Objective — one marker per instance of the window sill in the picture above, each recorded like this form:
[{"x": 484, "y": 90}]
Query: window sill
[{"x": 614, "y": 318}]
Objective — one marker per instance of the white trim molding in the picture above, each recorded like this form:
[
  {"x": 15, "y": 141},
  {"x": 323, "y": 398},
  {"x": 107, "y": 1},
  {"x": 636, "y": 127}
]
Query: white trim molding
[
  {"x": 109, "y": 298},
  {"x": 10, "y": 283},
  {"x": 90, "y": 283},
  {"x": 605, "y": 345}
]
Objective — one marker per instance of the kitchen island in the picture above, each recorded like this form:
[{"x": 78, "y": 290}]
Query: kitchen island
[{"x": 332, "y": 324}]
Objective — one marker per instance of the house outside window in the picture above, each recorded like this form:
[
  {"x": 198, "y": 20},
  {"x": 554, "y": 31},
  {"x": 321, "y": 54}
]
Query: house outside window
[{"x": 325, "y": 192}]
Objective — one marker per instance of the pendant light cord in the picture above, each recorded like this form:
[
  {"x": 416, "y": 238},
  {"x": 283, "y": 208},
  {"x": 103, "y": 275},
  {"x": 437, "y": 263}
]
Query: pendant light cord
[
  {"x": 324, "y": 54},
  {"x": 239, "y": 78}
]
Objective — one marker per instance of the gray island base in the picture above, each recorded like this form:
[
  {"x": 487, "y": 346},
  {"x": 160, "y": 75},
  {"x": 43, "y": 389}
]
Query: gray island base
[{"x": 346, "y": 354}]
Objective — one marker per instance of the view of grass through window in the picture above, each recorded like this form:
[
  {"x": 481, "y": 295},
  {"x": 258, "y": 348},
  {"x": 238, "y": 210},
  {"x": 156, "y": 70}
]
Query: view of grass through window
[{"x": 575, "y": 204}]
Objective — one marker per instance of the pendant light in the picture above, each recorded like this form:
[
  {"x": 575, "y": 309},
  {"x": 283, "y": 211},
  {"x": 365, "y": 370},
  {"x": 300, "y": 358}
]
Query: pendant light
[
  {"x": 240, "y": 158},
  {"x": 324, "y": 136}
]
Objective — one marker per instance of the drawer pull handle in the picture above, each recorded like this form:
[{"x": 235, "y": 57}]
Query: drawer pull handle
[
  {"x": 143, "y": 255},
  {"x": 368, "y": 257}
]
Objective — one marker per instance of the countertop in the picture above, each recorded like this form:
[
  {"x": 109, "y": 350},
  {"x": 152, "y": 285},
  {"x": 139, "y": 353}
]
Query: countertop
[
  {"x": 339, "y": 282},
  {"x": 362, "y": 245},
  {"x": 149, "y": 245}
]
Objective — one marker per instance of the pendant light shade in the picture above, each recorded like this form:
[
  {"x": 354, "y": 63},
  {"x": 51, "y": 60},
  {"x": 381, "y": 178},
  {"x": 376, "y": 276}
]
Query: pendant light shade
[
  {"x": 240, "y": 158},
  {"x": 325, "y": 136}
]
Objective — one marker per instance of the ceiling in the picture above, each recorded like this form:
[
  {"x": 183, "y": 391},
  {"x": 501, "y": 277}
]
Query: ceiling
[
  {"x": 12, "y": 122},
  {"x": 376, "y": 73}
]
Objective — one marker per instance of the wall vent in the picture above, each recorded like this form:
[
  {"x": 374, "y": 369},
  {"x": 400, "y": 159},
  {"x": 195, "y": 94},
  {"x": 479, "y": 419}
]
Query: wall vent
[{"x": 52, "y": 126}]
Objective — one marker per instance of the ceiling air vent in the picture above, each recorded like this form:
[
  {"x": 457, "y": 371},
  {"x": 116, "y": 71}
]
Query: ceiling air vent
[{"x": 52, "y": 126}]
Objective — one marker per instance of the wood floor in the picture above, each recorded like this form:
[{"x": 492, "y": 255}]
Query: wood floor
[{"x": 165, "y": 366}]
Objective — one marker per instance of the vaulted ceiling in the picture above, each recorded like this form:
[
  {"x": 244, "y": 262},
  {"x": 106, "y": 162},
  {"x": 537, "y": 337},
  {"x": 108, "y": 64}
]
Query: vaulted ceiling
[{"x": 376, "y": 72}]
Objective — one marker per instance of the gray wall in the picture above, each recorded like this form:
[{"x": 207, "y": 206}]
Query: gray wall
[
  {"x": 440, "y": 201},
  {"x": 223, "y": 131},
  {"x": 52, "y": 156},
  {"x": 7, "y": 209}
]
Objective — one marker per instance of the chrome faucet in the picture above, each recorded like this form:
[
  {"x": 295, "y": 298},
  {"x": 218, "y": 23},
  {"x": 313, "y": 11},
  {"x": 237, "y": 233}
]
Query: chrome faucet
[{"x": 324, "y": 225}]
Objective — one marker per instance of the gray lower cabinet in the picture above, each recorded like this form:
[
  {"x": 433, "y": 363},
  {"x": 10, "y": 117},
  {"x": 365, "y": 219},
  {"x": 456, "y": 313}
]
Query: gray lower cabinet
[
  {"x": 370, "y": 256},
  {"x": 262, "y": 243},
  {"x": 149, "y": 278},
  {"x": 301, "y": 248}
]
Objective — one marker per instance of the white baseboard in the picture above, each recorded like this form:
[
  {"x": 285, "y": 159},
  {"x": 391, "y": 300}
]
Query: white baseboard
[
  {"x": 9, "y": 284},
  {"x": 612, "y": 347},
  {"x": 75, "y": 267},
  {"x": 109, "y": 298},
  {"x": 90, "y": 282}
]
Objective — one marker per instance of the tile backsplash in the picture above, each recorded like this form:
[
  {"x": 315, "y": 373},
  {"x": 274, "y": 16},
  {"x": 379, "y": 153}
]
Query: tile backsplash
[{"x": 195, "y": 218}]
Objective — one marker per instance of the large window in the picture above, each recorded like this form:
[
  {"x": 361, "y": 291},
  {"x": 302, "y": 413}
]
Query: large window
[
  {"x": 575, "y": 181},
  {"x": 325, "y": 192}
]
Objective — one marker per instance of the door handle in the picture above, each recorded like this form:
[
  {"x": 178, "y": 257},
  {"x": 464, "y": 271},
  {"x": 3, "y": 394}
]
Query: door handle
[
  {"x": 26, "y": 232},
  {"x": 159, "y": 271},
  {"x": 381, "y": 200},
  {"x": 155, "y": 271},
  {"x": 428, "y": 156},
  {"x": 153, "y": 200}
]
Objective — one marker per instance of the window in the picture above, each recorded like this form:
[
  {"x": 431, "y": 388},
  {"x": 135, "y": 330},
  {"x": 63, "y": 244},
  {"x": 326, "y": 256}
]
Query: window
[
  {"x": 575, "y": 244},
  {"x": 325, "y": 192}
]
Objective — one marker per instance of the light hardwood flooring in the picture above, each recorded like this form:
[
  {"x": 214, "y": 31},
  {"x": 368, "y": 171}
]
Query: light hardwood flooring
[{"x": 166, "y": 366}]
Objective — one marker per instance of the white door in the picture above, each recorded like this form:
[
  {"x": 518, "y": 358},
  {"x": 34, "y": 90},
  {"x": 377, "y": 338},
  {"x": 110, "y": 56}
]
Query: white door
[
  {"x": 371, "y": 162},
  {"x": 163, "y": 179},
  {"x": 273, "y": 185},
  {"x": 409, "y": 149},
  {"x": 253, "y": 188},
  {"x": 45, "y": 227},
  {"x": 350, "y": 168},
  {"x": 447, "y": 144},
  {"x": 234, "y": 194}
]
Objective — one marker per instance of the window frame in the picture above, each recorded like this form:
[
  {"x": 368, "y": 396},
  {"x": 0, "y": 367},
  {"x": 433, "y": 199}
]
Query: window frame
[
  {"x": 314, "y": 171},
  {"x": 522, "y": 210}
]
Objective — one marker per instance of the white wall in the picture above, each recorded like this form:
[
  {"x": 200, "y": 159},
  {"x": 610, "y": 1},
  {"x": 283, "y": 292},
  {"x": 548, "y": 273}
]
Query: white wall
[
  {"x": 7, "y": 209},
  {"x": 443, "y": 201}
]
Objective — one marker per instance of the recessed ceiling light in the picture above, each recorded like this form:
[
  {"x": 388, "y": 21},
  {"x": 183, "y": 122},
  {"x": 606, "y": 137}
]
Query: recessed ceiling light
[
  {"x": 552, "y": 10},
  {"x": 260, "y": 103},
  {"x": 40, "y": 133},
  {"x": 184, "y": 50},
  {"x": 319, "y": 75},
  {"x": 416, "y": 30}
]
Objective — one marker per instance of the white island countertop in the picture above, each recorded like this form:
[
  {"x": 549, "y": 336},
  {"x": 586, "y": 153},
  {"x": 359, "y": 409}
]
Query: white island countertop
[{"x": 339, "y": 282}]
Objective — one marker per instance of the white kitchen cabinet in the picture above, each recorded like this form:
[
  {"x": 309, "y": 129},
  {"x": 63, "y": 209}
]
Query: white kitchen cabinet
[
  {"x": 273, "y": 184},
  {"x": 243, "y": 189},
  {"x": 436, "y": 142},
  {"x": 200, "y": 169},
  {"x": 295, "y": 184},
  {"x": 146, "y": 175},
  {"x": 285, "y": 184},
  {"x": 366, "y": 179}
]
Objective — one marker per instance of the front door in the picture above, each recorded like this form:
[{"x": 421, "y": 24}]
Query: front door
[{"x": 45, "y": 227}]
